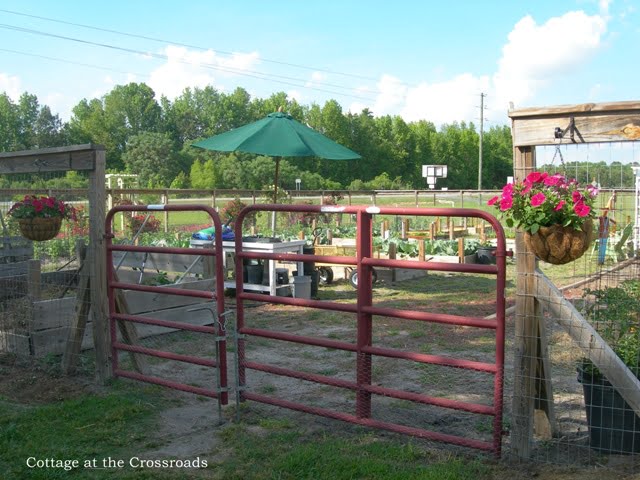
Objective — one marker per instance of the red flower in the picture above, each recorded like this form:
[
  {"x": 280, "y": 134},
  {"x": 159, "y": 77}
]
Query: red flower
[
  {"x": 506, "y": 203},
  {"x": 535, "y": 177},
  {"x": 576, "y": 197},
  {"x": 37, "y": 205},
  {"x": 581, "y": 209},
  {"x": 538, "y": 199},
  {"x": 560, "y": 205},
  {"x": 493, "y": 200}
]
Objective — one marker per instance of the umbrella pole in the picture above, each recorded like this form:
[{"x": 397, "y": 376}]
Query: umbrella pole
[{"x": 275, "y": 197}]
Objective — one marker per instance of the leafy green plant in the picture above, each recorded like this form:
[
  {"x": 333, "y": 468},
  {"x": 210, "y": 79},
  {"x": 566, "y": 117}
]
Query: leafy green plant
[{"x": 615, "y": 314}]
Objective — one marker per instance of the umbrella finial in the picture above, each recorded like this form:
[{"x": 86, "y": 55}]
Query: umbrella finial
[{"x": 280, "y": 108}]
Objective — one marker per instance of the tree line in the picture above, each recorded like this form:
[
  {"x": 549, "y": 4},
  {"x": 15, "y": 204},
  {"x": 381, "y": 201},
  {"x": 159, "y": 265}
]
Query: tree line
[{"x": 153, "y": 139}]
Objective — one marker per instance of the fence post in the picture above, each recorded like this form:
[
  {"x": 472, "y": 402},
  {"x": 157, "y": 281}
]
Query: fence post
[
  {"x": 165, "y": 201},
  {"x": 34, "y": 280},
  {"x": 97, "y": 254}
]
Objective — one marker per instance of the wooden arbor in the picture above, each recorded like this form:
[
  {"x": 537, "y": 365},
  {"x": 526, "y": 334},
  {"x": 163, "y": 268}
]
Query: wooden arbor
[
  {"x": 89, "y": 158},
  {"x": 533, "y": 396}
]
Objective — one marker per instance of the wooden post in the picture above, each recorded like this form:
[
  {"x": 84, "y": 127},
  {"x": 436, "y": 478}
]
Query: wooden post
[
  {"x": 34, "y": 280},
  {"x": 405, "y": 228},
  {"x": 421, "y": 250},
  {"x": 461, "y": 250},
  {"x": 165, "y": 201},
  {"x": 526, "y": 329},
  {"x": 97, "y": 254},
  {"x": 451, "y": 228},
  {"x": 79, "y": 321}
]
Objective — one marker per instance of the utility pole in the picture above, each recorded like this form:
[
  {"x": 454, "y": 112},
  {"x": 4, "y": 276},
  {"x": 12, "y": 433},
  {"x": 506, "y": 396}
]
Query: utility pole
[{"x": 482, "y": 95}]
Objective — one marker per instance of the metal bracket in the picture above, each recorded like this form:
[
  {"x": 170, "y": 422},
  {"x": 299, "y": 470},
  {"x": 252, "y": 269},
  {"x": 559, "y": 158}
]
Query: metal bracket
[{"x": 559, "y": 133}]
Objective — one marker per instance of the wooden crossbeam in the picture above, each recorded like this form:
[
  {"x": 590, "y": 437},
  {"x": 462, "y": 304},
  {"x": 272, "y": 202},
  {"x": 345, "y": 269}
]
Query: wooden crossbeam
[{"x": 589, "y": 340}]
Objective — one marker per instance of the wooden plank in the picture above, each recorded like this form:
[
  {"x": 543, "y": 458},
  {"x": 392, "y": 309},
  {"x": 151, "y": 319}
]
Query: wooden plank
[
  {"x": 14, "y": 269},
  {"x": 50, "y": 151},
  {"x": 53, "y": 341},
  {"x": 141, "y": 302},
  {"x": 581, "y": 108},
  {"x": 544, "y": 420},
  {"x": 56, "y": 313},
  {"x": 60, "y": 162},
  {"x": 16, "y": 251},
  {"x": 163, "y": 262},
  {"x": 619, "y": 127},
  {"x": 14, "y": 343},
  {"x": 129, "y": 332},
  {"x": 526, "y": 330},
  {"x": 52, "y": 313},
  {"x": 590, "y": 341},
  {"x": 79, "y": 320}
]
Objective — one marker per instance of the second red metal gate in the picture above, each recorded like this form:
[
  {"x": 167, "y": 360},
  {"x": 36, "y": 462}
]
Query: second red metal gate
[{"x": 364, "y": 349}]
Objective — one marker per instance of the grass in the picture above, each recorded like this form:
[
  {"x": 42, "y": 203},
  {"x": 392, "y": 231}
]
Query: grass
[
  {"x": 120, "y": 425},
  {"x": 82, "y": 429},
  {"x": 285, "y": 453}
]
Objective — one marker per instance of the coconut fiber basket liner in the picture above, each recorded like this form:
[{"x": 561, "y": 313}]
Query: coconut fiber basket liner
[
  {"x": 40, "y": 229},
  {"x": 559, "y": 245}
]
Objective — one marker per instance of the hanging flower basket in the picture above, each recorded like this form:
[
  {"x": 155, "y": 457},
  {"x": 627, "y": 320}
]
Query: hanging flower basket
[
  {"x": 40, "y": 218},
  {"x": 555, "y": 213},
  {"x": 559, "y": 245},
  {"x": 40, "y": 229}
]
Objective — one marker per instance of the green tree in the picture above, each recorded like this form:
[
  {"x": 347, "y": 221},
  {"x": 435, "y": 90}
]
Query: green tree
[
  {"x": 153, "y": 157},
  {"x": 8, "y": 124}
]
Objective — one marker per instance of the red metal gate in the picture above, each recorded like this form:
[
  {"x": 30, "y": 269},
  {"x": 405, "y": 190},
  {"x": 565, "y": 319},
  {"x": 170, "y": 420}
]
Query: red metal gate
[
  {"x": 217, "y": 331},
  {"x": 364, "y": 309}
]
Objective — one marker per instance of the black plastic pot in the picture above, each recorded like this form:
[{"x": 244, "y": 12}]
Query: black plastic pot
[
  {"x": 613, "y": 425},
  {"x": 310, "y": 269},
  {"x": 486, "y": 255}
]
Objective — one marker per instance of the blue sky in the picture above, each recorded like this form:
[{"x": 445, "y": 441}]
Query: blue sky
[{"x": 418, "y": 59}]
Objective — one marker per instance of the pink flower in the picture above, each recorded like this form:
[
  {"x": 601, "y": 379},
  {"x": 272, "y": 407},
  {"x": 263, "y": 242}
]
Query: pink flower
[
  {"x": 507, "y": 190},
  {"x": 538, "y": 199},
  {"x": 560, "y": 205},
  {"x": 493, "y": 200},
  {"x": 553, "y": 180},
  {"x": 535, "y": 177},
  {"x": 37, "y": 205},
  {"x": 506, "y": 203},
  {"x": 526, "y": 189},
  {"x": 581, "y": 209},
  {"x": 576, "y": 197}
]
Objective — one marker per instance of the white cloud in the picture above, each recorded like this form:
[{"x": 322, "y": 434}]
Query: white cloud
[
  {"x": 187, "y": 68},
  {"x": 445, "y": 102},
  {"x": 11, "y": 86},
  {"x": 536, "y": 54},
  {"x": 316, "y": 78},
  {"x": 532, "y": 57}
]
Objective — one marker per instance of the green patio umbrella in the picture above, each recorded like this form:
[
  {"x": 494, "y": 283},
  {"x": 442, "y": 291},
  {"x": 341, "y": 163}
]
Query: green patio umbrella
[{"x": 278, "y": 135}]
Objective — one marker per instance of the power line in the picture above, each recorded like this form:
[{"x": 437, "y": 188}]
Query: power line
[
  {"x": 247, "y": 73},
  {"x": 81, "y": 64},
  {"x": 197, "y": 47}
]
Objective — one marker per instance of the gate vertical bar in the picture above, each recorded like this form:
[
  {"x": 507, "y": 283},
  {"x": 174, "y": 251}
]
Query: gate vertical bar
[{"x": 365, "y": 298}]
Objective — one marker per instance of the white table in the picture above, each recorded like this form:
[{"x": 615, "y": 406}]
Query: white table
[{"x": 294, "y": 246}]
